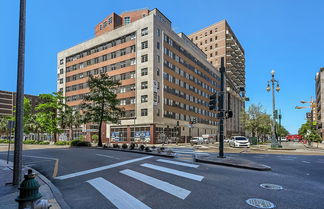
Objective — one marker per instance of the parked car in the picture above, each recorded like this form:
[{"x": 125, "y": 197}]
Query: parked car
[
  {"x": 239, "y": 141},
  {"x": 197, "y": 140},
  {"x": 284, "y": 139}
]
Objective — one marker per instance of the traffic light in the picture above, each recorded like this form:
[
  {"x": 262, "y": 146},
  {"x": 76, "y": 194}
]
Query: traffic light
[
  {"x": 194, "y": 120},
  {"x": 229, "y": 114},
  {"x": 213, "y": 101}
]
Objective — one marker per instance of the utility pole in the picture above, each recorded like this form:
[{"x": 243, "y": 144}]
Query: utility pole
[
  {"x": 221, "y": 110},
  {"x": 20, "y": 96}
]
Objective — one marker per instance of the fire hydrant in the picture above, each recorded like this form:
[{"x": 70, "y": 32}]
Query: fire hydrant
[{"x": 28, "y": 191}]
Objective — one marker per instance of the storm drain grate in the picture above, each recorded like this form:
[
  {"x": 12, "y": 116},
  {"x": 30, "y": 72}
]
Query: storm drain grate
[
  {"x": 260, "y": 203},
  {"x": 271, "y": 186}
]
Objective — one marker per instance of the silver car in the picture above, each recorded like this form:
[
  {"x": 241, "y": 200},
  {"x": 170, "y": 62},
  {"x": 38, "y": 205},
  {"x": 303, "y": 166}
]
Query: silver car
[{"x": 239, "y": 141}]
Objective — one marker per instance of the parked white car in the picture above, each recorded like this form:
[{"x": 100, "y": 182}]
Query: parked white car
[
  {"x": 284, "y": 139},
  {"x": 239, "y": 141},
  {"x": 197, "y": 140}
]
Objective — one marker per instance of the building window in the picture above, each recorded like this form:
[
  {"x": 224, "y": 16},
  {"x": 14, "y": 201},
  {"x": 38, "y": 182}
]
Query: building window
[
  {"x": 61, "y": 71},
  {"x": 205, "y": 41},
  {"x": 61, "y": 61},
  {"x": 127, "y": 20},
  {"x": 211, "y": 32},
  {"x": 104, "y": 57},
  {"x": 158, "y": 32},
  {"x": 144, "y": 71},
  {"x": 122, "y": 52},
  {"x": 158, "y": 45},
  {"x": 216, "y": 53},
  {"x": 144, "y": 98},
  {"x": 133, "y": 62},
  {"x": 216, "y": 45},
  {"x": 110, "y": 20},
  {"x": 158, "y": 58},
  {"x": 144, "y": 31},
  {"x": 144, "y": 44},
  {"x": 144, "y": 58},
  {"x": 215, "y": 29},
  {"x": 144, "y": 85},
  {"x": 211, "y": 54},
  {"x": 143, "y": 112},
  {"x": 157, "y": 71},
  {"x": 211, "y": 39},
  {"x": 132, "y": 49},
  {"x": 158, "y": 112},
  {"x": 215, "y": 37},
  {"x": 211, "y": 47},
  {"x": 113, "y": 55},
  {"x": 61, "y": 80},
  {"x": 200, "y": 43},
  {"x": 205, "y": 33}
]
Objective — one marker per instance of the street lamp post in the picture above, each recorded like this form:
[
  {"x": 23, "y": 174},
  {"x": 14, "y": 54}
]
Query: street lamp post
[{"x": 274, "y": 142}]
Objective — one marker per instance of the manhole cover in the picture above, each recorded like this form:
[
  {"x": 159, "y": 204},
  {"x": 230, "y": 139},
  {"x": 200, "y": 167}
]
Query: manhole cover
[
  {"x": 260, "y": 203},
  {"x": 271, "y": 186}
]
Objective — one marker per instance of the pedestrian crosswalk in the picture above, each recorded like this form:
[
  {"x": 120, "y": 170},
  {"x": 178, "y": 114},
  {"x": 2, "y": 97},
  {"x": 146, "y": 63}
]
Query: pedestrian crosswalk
[{"x": 122, "y": 199}]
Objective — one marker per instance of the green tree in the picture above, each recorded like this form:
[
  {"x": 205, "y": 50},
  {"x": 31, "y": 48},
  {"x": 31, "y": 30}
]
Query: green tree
[
  {"x": 308, "y": 131},
  {"x": 100, "y": 104},
  {"x": 72, "y": 120},
  {"x": 256, "y": 121},
  {"x": 3, "y": 123},
  {"x": 282, "y": 131},
  {"x": 49, "y": 115}
]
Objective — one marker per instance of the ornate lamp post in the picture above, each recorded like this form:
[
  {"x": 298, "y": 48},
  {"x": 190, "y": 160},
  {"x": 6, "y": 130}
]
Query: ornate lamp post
[{"x": 274, "y": 142}]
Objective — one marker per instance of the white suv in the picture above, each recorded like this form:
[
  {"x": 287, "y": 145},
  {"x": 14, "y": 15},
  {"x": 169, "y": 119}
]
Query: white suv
[{"x": 239, "y": 141}]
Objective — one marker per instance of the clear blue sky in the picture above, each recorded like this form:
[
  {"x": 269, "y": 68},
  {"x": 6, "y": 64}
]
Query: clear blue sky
[{"x": 285, "y": 35}]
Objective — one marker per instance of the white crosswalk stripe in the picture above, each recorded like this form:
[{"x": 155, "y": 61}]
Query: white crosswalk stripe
[
  {"x": 178, "y": 163},
  {"x": 173, "y": 171},
  {"x": 162, "y": 185},
  {"x": 117, "y": 196},
  {"x": 122, "y": 200}
]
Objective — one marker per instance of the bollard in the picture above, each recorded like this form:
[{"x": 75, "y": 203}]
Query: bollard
[{"x": 28, "y": 191}]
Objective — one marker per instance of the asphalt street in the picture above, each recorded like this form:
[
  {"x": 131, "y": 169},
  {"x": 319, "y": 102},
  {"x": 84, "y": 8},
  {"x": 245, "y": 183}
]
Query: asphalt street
[{"x": 95, "y": 178}]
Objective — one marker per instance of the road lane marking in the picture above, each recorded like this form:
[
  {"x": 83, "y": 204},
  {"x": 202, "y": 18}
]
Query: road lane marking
[
  {"x": 108, "y": 156},
  {"x": 55, "y": 169},
  {"x": 117, "y": 196},
  {"x": 80, "y": 173},
  {"x": 162, "y": 185},
  {"x": 174, "y": 172},
  {"x": 305, "y": 161},
  {"x": 178, "y": 163}
]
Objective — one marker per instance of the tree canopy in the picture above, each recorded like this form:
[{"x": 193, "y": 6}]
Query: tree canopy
[{"x": 100, "y": 104}]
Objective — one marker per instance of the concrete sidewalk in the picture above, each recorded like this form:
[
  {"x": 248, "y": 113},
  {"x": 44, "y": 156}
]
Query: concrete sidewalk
[{"x": 8, "y": 192}]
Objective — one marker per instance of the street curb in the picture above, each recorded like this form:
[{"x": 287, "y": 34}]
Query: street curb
[
  {"x": 260, "y": 168},
  {"x": 139, "y": 152},
  {"x": 56, "y": 192}
]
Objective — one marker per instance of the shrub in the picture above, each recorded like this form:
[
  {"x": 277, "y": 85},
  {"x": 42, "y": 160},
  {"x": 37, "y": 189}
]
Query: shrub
[
  {"x": 43, "y": 142},
  {"x": 147, "y": 149},
  {"x": 81, "y": 138},
  {"x": 75, "y": 142},
  {"x": 115, "y": 146},
  {"x": 4, "y": 141},
  {"x": 80, "y": 143},
  {"x": 142, "y": 147},
  {"x": 124, "y": 146},
  {"x": 84, "y": 144},
  {"x": 132, "y": 146},
  {"x": 30, "y": 142},
  {"x": 62, "y": 143},
  {"x": 95, "y": 138}
]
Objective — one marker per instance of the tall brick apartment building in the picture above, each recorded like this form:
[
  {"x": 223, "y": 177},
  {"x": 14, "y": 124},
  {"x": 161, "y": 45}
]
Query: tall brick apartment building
[
  {"x": 216, "y": 41},
  {"x": 165, "y": 79},
  {"x": 8, "y": 102}
]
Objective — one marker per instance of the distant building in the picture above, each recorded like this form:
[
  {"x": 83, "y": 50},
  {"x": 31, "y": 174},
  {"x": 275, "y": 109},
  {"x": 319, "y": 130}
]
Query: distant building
[
  {"x": 165, "y": 79},
  {"x": 8, "y": 102},
  {"x": 319, "y": 103},
  {"x": 216, "y": 41}
]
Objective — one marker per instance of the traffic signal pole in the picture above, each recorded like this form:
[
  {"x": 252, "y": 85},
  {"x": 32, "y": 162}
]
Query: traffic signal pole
[{"x": 221, "y": 110}]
